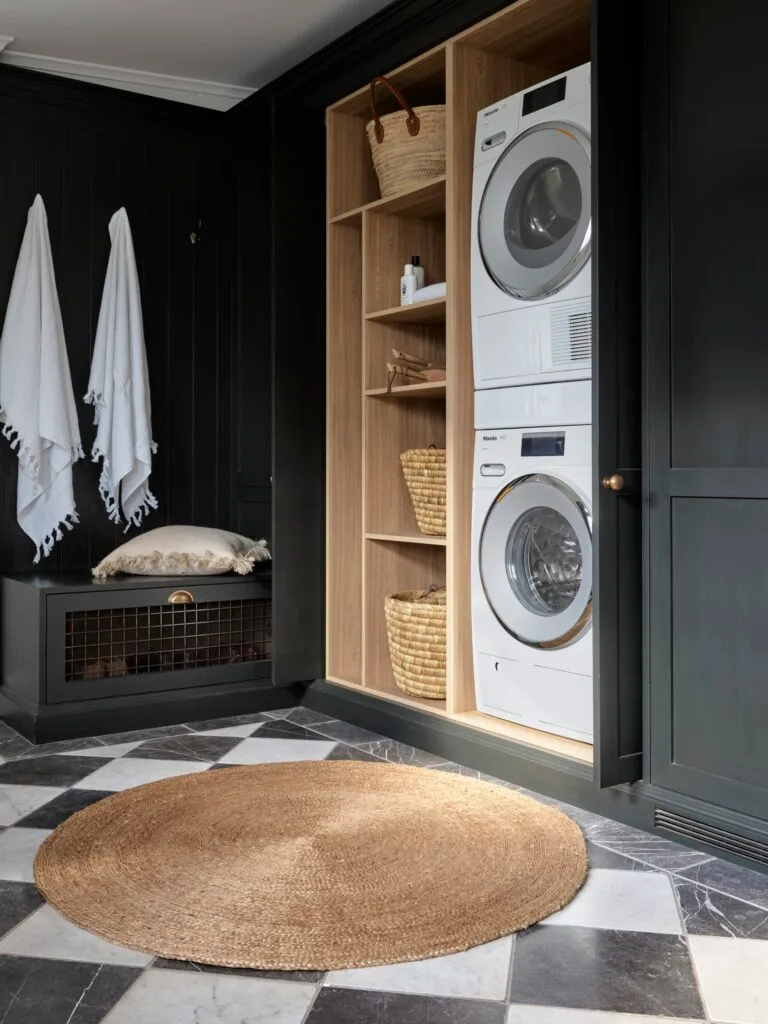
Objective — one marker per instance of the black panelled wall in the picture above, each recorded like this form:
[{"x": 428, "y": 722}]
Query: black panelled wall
[{"x": 88, "y": 151}]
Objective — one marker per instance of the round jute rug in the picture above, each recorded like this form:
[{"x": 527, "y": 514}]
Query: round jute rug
[{"x": 311, "y": 865}]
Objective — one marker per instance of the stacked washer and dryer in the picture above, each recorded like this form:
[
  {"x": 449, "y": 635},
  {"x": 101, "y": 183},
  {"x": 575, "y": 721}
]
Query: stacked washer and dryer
[{"x": 532, "y": 349}]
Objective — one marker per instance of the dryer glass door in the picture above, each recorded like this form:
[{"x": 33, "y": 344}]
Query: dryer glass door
[
  {"x": 534, "y": 226},
  {"x": 536, "y": 561}
]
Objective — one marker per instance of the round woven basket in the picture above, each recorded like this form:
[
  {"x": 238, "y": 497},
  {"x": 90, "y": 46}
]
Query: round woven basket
[
  {"x": 416, "y": 634},
  {"x": 424, "y": 472},
  {"x": 408, "y": 146}
]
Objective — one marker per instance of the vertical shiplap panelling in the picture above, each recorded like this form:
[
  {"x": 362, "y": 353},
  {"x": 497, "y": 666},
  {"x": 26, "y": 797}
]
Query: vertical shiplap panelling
[
  {"x": 88, "y": 157},
  {"x": 180, "y": 451},
  {"x": 75, "y": 280}
]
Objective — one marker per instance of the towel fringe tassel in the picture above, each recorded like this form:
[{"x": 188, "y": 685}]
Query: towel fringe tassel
[{"x": 46, "y": 545}]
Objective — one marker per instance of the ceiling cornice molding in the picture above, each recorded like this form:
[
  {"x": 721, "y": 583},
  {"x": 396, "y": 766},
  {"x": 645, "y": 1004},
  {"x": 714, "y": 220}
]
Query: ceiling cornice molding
[{"x": 213, "y": 95}]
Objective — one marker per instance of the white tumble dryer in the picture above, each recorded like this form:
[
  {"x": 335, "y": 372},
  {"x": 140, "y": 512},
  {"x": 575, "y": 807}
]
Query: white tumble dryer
[
  {"x": 532, "y": 557},
  {"x": 531, "y": 235}
]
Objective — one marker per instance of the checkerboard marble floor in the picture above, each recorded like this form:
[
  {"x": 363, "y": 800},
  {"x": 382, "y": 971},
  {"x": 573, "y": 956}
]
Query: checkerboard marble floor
[{"x": 658, "y": 932}]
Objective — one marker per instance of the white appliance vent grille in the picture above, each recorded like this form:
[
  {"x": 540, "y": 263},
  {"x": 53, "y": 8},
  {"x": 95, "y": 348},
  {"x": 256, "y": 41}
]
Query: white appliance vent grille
[{"x": 571, "y": 329}]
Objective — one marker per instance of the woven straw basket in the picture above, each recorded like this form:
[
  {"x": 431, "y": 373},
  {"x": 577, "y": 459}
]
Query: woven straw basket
[
  {"x": 408, "y": 147},
  {"x": 416, "y": 634},
  {"x": 424, "y": 472}
]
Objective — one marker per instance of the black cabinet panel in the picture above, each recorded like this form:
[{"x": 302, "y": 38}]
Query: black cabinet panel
[
  {"x": 616, "y": 167},
  {"x": 719, "y": 602},
  {"x": 718, "y": 160},
  {"x": 706, "y": 415}
]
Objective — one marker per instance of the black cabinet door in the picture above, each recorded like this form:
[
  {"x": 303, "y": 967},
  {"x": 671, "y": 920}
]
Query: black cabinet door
[
  {"x": 616, "y": 170},
  {"x": 707, "y": 340}
]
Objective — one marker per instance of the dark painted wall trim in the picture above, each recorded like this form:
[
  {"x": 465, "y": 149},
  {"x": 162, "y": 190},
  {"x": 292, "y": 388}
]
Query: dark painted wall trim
[{"x": 565, "y": 780}]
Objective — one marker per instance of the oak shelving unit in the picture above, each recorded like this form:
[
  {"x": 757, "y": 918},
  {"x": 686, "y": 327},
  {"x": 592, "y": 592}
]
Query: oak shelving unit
[{"x": 374, "y": 546}]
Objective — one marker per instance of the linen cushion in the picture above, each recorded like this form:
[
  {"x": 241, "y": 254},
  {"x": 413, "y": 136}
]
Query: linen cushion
[{"x": 184, "y": 551}]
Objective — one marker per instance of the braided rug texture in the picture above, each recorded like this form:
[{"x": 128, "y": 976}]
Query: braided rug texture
[{"x": 311, "y": 865}]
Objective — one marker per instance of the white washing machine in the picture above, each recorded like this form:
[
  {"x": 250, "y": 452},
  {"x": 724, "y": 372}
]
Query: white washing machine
[
  {"x": 531, "y": 236},
  {"x": 532, "y": 557}
]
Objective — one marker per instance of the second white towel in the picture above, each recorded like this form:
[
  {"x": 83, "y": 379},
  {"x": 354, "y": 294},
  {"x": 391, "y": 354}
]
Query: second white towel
[{"x": 119, "y": 386}]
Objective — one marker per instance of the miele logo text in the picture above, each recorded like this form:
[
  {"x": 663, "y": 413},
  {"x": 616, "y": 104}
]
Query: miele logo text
[
  {"x": 493, "y": 110},
  {"x": 490, "y": 437}
]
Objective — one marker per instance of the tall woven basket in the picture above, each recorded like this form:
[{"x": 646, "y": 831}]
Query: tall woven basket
[
  {"x": 408, "y": 146},
  {"x": 416, "y": 634},
  {"x": 424, "y": 472}
]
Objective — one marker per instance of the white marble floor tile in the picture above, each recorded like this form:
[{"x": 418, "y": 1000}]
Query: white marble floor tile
[
  {"x": 733, "y": 976},
  {"x": 479, "y": 973},
  {"x": 111, "y": 750},
  {"x": 256, "y": 751},
  {"x": 18, "y": 801},
  {"x": 559, "y": 1015},
  {"x": 233, "y": 730},
  {"x": 48, "y": 935},
  {"x": 636, "y": 901},
  {"x": 126, "y": 773},
  {"x": 180, "y": 997},
  {"x": 18, "y": 847}
]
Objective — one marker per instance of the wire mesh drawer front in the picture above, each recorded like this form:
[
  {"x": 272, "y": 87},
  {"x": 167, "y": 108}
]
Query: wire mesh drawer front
[{"x": 108, "y": 643}]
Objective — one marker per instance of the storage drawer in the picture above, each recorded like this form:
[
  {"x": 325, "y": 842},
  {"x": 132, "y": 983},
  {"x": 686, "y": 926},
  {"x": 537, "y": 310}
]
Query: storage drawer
[{"x": 154, "y": 639}]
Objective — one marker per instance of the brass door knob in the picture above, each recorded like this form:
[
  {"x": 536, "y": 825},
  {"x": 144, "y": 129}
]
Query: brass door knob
[
  {"x": 181, "y": 597},
  {"x": 614, "y": 482}
]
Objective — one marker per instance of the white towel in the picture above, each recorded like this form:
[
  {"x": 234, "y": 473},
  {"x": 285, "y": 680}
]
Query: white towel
[
  {"x": 119, "y": 386},
  {"x": 37, "y": 405}
]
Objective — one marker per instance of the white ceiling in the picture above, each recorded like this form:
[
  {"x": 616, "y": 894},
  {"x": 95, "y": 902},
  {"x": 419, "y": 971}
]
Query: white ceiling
[{"x": 237, "y": 42}]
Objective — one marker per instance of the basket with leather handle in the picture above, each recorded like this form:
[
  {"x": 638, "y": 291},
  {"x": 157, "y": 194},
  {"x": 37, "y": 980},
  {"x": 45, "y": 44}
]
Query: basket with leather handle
[
  {"x": 408, "y": 146},
  {"x": 417, "y": 645}
]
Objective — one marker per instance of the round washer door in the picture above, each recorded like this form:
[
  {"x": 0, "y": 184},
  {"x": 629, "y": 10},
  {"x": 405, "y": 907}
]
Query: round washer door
[
  {"x": 535, "y": 220},
  {"x": 536, "y": 561}
]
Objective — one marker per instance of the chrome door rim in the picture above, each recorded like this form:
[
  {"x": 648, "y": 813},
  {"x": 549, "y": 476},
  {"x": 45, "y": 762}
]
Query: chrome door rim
[
  {"x": 522, "y": 494},
  {"x": 565, "y": 142}
]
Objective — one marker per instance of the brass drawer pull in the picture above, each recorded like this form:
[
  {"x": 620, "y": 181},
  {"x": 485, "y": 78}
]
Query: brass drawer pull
[{"x": 181, "y": 597}]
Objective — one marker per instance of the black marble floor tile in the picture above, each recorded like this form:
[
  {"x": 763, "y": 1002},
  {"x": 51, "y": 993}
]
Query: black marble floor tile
[
  {"x": 731, "y": 879},
  {"x": 52, "y": 814},
  {"x": 59, "y": 992},
  {"x": 313, "y": 977},
  {"x": 11, "y": 743},
  {"x": 597, "y": 969},
  {"x": 226, "y": 723},
  {"x": 306, "y": 716},
  {"x": 185, "y": 748},
  {"x": 472, "y": 773},
  {"x": 401, "y": 753},
  {"x": 284, "y": 729},
  {"x": 344, "y": 752},
  {"x": 135, "y": 735},
  {"x": 348, "y": 1006},
  {"x": 708, "y": 912},
  {"x": 61, "y": 746},
  {"x": 599, "y": 857},
  {"x": 651, "y": 849},
  {"x": 17, "y": 901},
  {"x": 49, "y": 770},
  {"x": 345, "y": 732}
]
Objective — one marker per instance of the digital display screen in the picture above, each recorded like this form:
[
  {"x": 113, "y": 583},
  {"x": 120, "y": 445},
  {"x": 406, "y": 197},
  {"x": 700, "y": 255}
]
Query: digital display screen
[
  {"x": 544, "y": 96},
  {"x": 535, "y": 445}
]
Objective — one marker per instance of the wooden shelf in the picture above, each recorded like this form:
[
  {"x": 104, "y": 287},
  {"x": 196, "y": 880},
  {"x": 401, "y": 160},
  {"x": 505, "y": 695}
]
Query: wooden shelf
[
  {"x": 426, "y": 202},
  {"x": 408, "y": 538},
  {"x": 432, "y": 311},
  {"x": 431, "y": 389}
]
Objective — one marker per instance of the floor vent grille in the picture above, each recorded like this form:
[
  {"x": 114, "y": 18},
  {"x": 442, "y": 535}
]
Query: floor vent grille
[{"x": 679, "y": 826}]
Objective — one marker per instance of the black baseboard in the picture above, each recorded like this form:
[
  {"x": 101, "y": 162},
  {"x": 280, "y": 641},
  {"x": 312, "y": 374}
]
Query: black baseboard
[
  {"x": 142, "y": 711},
  {"x": 572, "y": 782}
]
